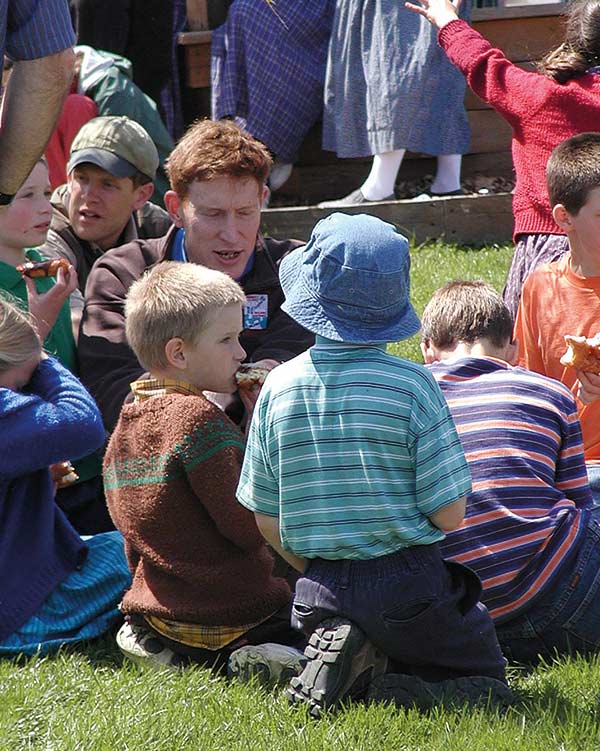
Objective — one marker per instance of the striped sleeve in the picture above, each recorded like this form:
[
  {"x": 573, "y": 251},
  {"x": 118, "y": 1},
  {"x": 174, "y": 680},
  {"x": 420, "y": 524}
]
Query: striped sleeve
[
  {"x": 442, "y": 473},
  {"x": 37, "y": 28}
]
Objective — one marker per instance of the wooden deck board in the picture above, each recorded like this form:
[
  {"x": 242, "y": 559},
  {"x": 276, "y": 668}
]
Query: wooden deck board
[{"x": 464, "y": 220}]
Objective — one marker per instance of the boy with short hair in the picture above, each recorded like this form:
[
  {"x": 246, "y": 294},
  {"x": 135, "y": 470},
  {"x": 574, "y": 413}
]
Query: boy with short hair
[
  {"x": 562, "y": 297},
  {"x": 530, "y": 532},
  {"x": 203, "y": 581},
  {"x": 354, "y": 472}
]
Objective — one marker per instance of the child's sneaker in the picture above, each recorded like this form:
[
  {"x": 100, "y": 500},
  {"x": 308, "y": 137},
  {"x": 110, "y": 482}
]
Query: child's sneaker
[
  {"x": 407, "y": 691},
  {"x": 143, "y": 646},
  {"x": 341, "y": 662},
  {"x": 270, "y": 664}
]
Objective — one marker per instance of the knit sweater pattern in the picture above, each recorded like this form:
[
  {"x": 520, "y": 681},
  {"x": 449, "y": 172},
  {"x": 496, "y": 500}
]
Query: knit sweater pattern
[
  {"x": 541, "y": 112},
  {"x": 171, "y": 470}
]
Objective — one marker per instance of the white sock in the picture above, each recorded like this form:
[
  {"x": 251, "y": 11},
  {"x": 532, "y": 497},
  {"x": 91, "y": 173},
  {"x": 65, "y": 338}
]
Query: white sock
[
  {"x": 382, "y": 177},
  {"x": 447, "y": 177}
]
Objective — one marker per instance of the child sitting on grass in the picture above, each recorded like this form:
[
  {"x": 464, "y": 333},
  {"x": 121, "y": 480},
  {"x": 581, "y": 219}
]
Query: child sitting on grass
[
  {"x": 203, "y": 582},
  {"x": 55, "y": 587},
  {"x": 23, "y": 226},
  {"x": 354, "y": 472}
]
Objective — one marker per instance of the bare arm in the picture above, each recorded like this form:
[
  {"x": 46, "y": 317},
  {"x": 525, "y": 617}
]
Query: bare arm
[
  {"x": 32, "y": 103},
  {"x": 450, "y": 517},
  {"x": 269, "y": 529}
]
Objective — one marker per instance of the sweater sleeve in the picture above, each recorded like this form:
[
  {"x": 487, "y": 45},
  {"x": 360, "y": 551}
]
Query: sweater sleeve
[
  {"x": 212, "y": 464},
  {"x": 56, "y": 419},
  {"x": 514, "y": 93}
]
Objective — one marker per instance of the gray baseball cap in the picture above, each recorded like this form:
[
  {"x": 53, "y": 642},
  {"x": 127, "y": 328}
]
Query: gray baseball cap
[{"x": 117, "y": 144}]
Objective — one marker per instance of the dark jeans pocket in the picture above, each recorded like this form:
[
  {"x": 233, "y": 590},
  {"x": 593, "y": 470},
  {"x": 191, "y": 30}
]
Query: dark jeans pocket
[{"x": 407, "y": 613}]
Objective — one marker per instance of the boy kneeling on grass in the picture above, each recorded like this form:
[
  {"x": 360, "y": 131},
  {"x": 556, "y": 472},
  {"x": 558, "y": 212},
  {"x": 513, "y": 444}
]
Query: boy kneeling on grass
[
  {"x": 354, "y": 472},
  {"x": 203, "y": 581}
]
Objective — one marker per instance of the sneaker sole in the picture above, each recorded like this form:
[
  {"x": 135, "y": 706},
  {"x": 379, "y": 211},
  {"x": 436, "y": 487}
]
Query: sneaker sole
[{"x": 331, "y": 671}]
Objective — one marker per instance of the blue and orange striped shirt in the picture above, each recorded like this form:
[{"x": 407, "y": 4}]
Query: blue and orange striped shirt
[{"x": 530, "y": 499}]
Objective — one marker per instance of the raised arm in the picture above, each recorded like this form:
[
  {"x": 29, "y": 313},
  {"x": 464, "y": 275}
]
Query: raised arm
[
  {"x": 55, "y": 418},
  {"x": 514, "y": 93}
]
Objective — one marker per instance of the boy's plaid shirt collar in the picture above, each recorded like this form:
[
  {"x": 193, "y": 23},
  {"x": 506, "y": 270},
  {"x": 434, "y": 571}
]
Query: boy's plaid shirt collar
[{"x": 145, "y": 389}]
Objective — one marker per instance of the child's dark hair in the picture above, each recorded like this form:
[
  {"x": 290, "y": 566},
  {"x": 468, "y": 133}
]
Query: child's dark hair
[
  {"x": 573, "y": 170},
  {"x": 464, "y": 311},
  {"x": 581, "y": 48}
]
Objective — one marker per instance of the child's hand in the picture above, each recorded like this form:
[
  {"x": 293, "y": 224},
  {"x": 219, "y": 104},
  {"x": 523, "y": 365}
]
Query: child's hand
[
  {"x": 44, "y": 308},
  {"x": 588, "y": 388},
  {"x": 437, "y": 12}
]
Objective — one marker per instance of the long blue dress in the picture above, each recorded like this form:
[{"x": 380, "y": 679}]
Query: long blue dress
[{"x": 389, "y": 85}]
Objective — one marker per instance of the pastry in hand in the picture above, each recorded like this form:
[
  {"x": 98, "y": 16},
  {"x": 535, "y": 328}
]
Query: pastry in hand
[
  {"x": 43, "y": 268},
  {"x": 63, "y": 474},
  {"x": 250, "y": 375},
  {"x": 582, "y": 353}
]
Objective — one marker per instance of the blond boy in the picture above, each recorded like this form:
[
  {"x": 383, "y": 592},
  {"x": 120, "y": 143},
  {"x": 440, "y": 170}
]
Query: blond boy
[{"x": 202, "y": 574}]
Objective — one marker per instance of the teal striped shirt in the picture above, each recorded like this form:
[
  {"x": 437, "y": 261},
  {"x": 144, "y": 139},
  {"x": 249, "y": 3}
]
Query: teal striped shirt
[{"x": 353, "y": 449}]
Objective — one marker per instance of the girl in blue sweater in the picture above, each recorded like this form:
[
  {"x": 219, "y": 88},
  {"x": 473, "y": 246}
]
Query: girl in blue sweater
[{"x": 55, "y": 587}]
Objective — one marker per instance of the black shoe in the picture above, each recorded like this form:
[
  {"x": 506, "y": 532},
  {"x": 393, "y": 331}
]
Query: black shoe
[
  {"x": 409, "y": 691},
  {"x": 356, "y": 198},
  {"x": 341, "y": 662},
  {"x": 427, "y": 195}
]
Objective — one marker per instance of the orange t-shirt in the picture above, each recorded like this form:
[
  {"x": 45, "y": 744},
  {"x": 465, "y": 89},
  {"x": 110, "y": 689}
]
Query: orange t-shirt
[{"x": 555, "y": 302}]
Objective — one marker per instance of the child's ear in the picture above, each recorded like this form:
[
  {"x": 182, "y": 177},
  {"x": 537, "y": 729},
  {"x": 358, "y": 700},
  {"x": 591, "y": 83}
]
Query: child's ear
[
  {"x": 511, "y": 354},
  {"x": 175, "y": 353},
  {"x": 562, "y": 217},
  {"x": 428, "y": 352}
]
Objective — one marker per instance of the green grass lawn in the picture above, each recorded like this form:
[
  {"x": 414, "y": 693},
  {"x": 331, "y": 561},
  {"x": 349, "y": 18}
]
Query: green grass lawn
[{"x": 88, "y": 700}]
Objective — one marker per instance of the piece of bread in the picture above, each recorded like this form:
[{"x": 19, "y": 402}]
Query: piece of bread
[
  {"x": 582, "y": 353},
  {"x": 249, "y": 375},
  {"x": 63, "y": 474},
  {"x": 43, "y": 268}
]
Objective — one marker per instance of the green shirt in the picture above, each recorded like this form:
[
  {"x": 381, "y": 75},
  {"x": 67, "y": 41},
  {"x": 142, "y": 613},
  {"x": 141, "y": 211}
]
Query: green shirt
[{"x": 59, "y": 342}]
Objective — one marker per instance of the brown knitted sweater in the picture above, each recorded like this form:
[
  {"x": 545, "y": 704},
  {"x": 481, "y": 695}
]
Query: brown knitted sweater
[{"x": 171, "y": 470}]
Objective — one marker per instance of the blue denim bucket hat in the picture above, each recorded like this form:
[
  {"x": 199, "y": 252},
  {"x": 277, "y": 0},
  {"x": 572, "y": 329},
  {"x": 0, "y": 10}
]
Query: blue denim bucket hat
[{"x": 351, "y": 282}]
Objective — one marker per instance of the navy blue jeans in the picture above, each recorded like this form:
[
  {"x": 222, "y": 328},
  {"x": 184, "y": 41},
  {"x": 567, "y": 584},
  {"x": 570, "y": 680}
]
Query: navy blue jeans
[
  {"x": 421, "y": 611},
  {"x": 565, "y": 620}
]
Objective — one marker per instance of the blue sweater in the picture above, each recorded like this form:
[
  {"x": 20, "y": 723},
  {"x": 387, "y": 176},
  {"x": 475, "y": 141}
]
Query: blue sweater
[{"x": 52, "y": 420}]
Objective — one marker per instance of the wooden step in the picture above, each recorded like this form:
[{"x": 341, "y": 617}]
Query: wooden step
[{"x": 464, "y": 220}]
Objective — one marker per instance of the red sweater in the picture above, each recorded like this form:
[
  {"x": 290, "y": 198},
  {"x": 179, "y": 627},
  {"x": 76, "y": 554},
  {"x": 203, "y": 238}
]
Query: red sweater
[{"x": 541, "y": 112}]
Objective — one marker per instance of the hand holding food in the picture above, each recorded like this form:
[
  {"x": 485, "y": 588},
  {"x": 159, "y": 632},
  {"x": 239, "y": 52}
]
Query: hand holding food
[
  {"x": 250, "y": 375},
  {"x": 50, "y": 267},
  {"x": 63, "y": 474},
  {"x": 582, "y": 353}
]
